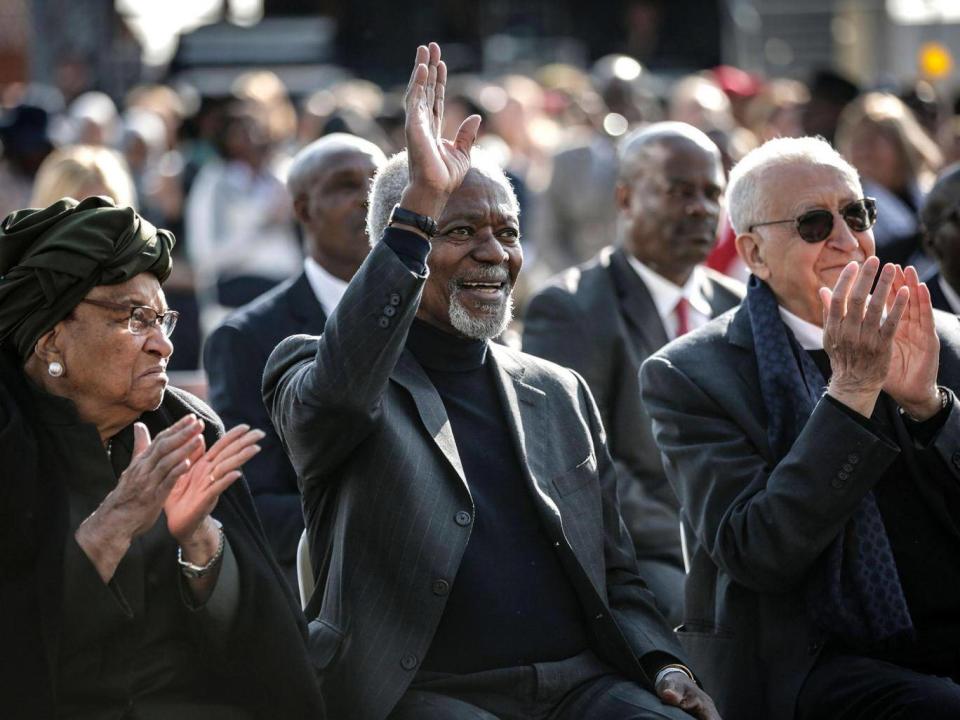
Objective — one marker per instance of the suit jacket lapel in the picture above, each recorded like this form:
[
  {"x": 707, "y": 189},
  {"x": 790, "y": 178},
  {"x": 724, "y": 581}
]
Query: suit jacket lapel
[
  {"x": 637, "y": 303},
  {"x": 304, "y": 306},
  {"x": 521, "y": 403},
  {"x": 411, "y": 376}
]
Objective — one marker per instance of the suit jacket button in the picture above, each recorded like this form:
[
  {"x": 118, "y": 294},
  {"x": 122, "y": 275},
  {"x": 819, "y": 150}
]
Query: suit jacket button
[
  {"x": 847, "y": 468},
  {"x": 394, "y": 299},
  {"x": 440, "y": 587},
  {"x": 389, "y": 311},
  {"x": 463, "y": 518},
  {"x": 956, "y": 460},
  {"x": 384, "y": 322},
  {"x": 408, "y": 662},
  {"x": 853, "y": 458},
  {"x": 838, "y": 482}
]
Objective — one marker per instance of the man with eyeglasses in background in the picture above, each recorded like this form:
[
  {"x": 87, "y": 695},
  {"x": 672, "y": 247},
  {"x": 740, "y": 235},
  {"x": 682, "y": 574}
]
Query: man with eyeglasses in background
[{"x": 812, "y": 439}]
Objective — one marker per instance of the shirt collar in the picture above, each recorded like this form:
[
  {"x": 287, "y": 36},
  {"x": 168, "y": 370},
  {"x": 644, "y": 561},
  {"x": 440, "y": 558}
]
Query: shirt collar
[
  {"x": 328, "y": 289},
  {"x": 809, "y": 336},
  {"x": 666, "y": 294}
]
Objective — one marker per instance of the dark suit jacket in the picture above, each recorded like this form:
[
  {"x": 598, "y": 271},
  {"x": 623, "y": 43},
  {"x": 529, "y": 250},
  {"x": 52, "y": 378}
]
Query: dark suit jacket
[
  {"x": 234, "y": 356},
  {"x": 759, "y": 524},
  {"x": 388, "y": 508},
  {"x": 600, "y": 320}
]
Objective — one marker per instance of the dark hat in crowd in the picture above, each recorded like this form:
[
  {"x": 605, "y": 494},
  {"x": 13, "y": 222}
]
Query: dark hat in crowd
[{"x": 25, "y": 129}]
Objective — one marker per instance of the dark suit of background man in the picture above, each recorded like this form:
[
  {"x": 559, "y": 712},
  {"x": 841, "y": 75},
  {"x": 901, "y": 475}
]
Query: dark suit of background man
[
  {"x": 604, "y": 318},
  {"x": 825, "y": 576},
  {"x": 941, "y": 224},
  {"x": 328, "y": 182},
  {"x": 459, "y": 496}
]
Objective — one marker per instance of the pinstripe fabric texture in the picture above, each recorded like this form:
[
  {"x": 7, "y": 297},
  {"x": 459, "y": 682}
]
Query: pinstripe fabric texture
[{"x": 388, "y": 508}]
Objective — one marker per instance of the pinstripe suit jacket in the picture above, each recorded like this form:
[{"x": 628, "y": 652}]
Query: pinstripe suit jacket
[{"x": 388, "y": 508}]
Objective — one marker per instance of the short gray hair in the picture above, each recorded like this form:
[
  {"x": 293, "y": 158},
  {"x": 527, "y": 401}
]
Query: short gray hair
[
  {"x": 312, "y": 157},
  {"x": 391, "y": 179},
  {"x": 745, "y": 189}
]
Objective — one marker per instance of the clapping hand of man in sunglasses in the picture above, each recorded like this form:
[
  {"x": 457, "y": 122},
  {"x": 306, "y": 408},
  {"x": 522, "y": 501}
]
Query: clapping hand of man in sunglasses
[{"x": 869, "y": 351}]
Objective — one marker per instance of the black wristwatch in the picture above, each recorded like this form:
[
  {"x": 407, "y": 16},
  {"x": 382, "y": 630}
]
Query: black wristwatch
[{"x": 423, "y": 223}]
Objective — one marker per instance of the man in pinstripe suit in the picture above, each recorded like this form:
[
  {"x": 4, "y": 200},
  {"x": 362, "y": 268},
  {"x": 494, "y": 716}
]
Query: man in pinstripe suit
[{"x": 459, "y": 496}]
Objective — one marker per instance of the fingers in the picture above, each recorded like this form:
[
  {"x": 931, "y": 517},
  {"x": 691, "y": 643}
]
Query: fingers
[
  {"x": 836, "y": 308},
  {"x": 230, "y": 436},
  {"x": 141, "y": 439},
  {"x": 430, "y": 87},
  {"x": 467, "y": 134},
  {"x": 878, "y": 301},
  {"x": 419, "y": 68},
  {"x": 895, "y": 314},
  {"x": 857, "y": 299},
  {"x": 439, "y": 94}
]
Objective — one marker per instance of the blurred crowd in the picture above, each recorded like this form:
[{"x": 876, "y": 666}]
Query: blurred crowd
[{"x": 213, "y": 169}]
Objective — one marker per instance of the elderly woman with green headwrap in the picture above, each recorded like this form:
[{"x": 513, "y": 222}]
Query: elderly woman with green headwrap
[{"x": 135, "y": 580}]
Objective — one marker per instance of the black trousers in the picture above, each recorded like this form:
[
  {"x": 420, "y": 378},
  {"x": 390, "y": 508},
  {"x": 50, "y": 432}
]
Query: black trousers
[
  {"x": 847, "y": 687},
  {"x": 579, "y": 688}
]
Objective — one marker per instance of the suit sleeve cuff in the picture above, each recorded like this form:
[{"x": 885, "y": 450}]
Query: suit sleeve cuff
[{"x": 409, "y": 247}]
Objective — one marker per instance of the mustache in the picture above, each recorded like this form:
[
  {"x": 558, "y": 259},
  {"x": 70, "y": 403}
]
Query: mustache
[{"x": 484, "y": 274}]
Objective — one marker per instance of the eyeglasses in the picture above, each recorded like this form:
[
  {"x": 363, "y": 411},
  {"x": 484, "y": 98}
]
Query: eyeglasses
[
  {"x": 815, "y": 226},
  {"x": 142, "y": 318}
]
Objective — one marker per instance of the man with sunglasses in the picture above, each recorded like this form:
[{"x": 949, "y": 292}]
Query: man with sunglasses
[{"x": 812, "y": 439}]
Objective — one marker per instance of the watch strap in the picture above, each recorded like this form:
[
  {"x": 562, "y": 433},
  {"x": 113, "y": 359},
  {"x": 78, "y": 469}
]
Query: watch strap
[{"x": 424, "y": 223}]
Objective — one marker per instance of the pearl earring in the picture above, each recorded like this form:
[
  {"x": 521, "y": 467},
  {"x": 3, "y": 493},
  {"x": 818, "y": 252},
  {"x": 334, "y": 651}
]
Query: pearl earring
[{"x": 55, "y": 369}]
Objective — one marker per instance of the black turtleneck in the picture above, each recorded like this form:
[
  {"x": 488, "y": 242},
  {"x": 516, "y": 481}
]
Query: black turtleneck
[{"x": 511, "y": 602}]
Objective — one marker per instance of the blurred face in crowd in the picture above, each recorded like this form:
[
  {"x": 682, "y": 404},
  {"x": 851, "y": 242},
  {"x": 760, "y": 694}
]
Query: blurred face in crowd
[
  {"x": 669, "y": 201},
  {"x": 941, "y": 218},
  {"x": 877, "y": 155},
  {"x": 332, "y": 208},
  {"x": 109, "y": 371},
  {"x": 795, "y": 269},
  {"x": 474, "y": 261}
]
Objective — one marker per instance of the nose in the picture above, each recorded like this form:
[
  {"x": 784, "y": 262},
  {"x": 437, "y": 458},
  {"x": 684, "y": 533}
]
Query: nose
[
  {"x": 700, "y": 204},
  {"x": 488, "y": 249},
  {"x": 157, "y": 343},
  {"x": 841, "y": 236}
]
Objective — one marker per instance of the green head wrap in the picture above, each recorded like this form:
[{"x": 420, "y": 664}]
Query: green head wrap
[{"x": 51, "y": 258}]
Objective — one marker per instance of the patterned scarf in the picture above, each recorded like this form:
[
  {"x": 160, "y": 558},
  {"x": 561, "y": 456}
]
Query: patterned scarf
[{"x": 854, "y": 591}]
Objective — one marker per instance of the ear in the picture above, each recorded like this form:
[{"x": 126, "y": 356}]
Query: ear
[
  {"x": 48, "y": 347},
  {"x": 621, "y": 196},
  {"x": 301, "y": 210},
  {"x": 750, "y": 249}
]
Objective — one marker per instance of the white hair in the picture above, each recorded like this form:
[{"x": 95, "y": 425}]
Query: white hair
[
  {"x": 746, "y": 195},
  {"x": 391, "y": 179},
  {"x": 312, "y": 158}
]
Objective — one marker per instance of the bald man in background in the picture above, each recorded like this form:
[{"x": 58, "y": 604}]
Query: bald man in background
[
  {"x": 328, "y": 183},
  {"x": 604, "y": 318}
]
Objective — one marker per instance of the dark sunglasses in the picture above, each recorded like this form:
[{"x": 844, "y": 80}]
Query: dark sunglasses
[{"x": 815, "y": 226}]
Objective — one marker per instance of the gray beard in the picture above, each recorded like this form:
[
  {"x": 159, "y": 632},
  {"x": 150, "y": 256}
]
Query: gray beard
[{"x": 489, "y": 323}]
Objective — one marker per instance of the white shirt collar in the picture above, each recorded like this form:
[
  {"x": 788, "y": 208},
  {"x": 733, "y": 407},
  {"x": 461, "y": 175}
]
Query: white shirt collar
[
  {"x": 809, "y": 336},
  {"x": 328, "y": 289},
  {"x": 953, "y": 299},
  {"x": 666, "y": 294}
]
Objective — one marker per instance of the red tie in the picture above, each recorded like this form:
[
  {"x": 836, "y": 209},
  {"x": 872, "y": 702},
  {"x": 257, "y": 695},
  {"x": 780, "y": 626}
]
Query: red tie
[{"x": 683, "y": 325}]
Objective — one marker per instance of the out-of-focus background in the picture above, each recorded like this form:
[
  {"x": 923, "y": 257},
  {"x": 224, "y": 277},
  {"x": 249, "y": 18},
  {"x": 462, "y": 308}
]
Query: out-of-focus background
[{"x": 192, "y": 109}]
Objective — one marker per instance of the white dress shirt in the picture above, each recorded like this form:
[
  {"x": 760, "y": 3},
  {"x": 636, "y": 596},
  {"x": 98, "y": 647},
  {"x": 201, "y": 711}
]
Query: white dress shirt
[
  {"x": 809, "y": 336},
  {"x": 328, "y": 289},
  {"x": 666, "y": 295}
]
